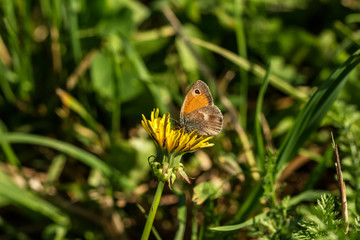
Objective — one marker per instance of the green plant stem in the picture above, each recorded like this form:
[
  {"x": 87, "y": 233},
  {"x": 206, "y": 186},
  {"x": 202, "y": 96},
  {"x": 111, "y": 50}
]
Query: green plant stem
[
  {"x": 152, "y": 213},
  {"x": 258, "y": 136},
  {"x": 241, "y": 45},
  {"x": 6, "y": 147},
  {"x": 116, "y": 117}
]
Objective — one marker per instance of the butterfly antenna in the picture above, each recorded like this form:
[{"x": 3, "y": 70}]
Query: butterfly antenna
[{"x": 175, "y": 122}]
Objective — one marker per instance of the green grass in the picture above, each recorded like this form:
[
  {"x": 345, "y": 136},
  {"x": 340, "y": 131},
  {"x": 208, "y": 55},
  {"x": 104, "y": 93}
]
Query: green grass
[{"x": 76, "y": 76}]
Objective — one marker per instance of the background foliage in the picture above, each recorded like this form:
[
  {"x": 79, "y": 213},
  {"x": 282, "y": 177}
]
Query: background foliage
[{"x": 75, "y": 77}]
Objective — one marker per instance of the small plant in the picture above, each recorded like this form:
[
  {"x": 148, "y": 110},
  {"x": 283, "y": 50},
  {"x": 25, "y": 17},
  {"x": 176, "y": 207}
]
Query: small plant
[
  {"x": 171, "y": 145},
  {"x": 323, "y": 222},
  {"x": 276, "y": 222}
]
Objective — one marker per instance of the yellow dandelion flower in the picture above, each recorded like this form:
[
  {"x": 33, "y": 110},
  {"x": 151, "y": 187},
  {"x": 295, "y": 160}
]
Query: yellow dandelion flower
[
  {"x": 174, "y": 141},
  {"x": 171, "y": 144}
]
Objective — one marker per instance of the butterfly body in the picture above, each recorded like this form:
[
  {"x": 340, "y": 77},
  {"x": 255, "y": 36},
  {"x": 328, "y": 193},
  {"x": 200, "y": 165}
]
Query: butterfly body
[{"x": 198, "y": 111}]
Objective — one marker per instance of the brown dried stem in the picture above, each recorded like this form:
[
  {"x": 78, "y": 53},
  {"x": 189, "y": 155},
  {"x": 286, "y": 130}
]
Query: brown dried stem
[
  {"x": 80, "y": 69},
  {"x": 341, "y": 185}
]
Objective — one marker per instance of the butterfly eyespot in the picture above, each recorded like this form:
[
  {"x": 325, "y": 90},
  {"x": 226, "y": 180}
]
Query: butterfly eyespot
[{"x": 197, "y": 91}]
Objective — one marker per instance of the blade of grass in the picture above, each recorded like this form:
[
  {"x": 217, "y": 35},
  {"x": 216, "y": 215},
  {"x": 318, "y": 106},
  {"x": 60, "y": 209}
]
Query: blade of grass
[
  {"x": 241, "y": 45},
  {"x": 153, "y": 229},
  {"x": 305, "y": 196},
  {"x": 55, "y": 16},
  {"x": 254, "y": 68},
  {"x": 9, "y": 13},
  {"x": 239, "y": 226},
  {"x": 310, "y": 195},
  {"x": 87, "y": 158},
  {"x": 15, "y": 51},
  {"x": 19, "y": 48},
  {"x": 116, "y": 116},
  {"x": 74, "y": 30},
  {"x": 347, "y": 32},
  {"x": 194, "y": 226},
  {"x": 181, "y": 217},
  {"x": 46, "y": 8},
  {"x": 9, "y": 152},
  {"x": 258, "y": 133},
  {"x": 55, "y": 169},
  {"x": 77, "y": 107},
  {"x": 26, "y": 45},
  {"x": 24, "y": 198},
  {"x": 5, "y": 84},
  {"x": 315, "y": 110},
  {"x": 71, "y": 150}
]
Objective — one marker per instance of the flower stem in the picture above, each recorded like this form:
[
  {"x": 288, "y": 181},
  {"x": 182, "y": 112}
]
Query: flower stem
[{"x": 152, "y": 213}]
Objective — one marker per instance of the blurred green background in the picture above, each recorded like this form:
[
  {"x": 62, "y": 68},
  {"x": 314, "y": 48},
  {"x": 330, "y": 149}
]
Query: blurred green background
[{"x": 76, "y": 76}]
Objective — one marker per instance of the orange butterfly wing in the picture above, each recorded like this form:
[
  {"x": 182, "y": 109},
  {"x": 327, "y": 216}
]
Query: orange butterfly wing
[{"x": 197, "y": 97}]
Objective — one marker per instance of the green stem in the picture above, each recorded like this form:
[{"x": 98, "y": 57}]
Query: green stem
[
  {"x": 6, "y": 147},
  {"x": 241, "y": 44},
  {"x": 152, "y": 213}
]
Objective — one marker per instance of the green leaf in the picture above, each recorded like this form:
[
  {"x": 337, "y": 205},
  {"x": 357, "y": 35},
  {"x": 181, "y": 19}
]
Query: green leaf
[
  {"x": 123, "y": 17},
  {"x": 205, "y": 190},
  {"x": 102, "y": 75},
  {"x": 131, "y": 86},
  {"x": 315, "y": 110}
]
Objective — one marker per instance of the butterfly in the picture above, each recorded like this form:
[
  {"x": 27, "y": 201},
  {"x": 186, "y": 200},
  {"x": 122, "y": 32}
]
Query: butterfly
[{"x": 198, "y": 111}]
